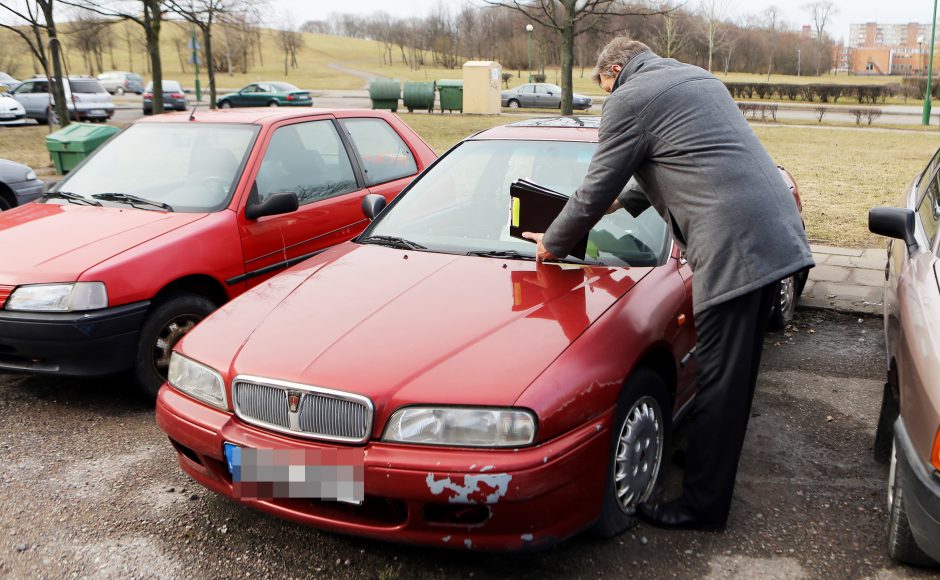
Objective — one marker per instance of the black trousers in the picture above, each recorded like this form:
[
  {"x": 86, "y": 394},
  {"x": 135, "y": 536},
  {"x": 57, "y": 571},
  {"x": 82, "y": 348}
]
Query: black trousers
[{"x": 727, "y": 355}]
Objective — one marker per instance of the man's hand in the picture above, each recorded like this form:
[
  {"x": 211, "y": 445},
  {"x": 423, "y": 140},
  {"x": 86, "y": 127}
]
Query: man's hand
[
  {"x": 541, "y": 254},
  {"x": 614, "y": 207}
]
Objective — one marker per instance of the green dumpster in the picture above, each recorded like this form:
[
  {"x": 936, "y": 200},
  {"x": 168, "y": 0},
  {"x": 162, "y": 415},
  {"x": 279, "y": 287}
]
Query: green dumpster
[
  {"x": 418, "y": 95},
  {"x": 385, "y": 93},
  {"x": 451, "y": 95},
  {"x": 71, "y": 145}
]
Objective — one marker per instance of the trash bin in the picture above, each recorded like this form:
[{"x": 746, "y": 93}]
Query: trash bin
[
  {"x": 451, "y": 94},
  {"x": 416, "y": 95},
  {"x": 385, "y": 93},
  {"x": 71, "y": 145}
]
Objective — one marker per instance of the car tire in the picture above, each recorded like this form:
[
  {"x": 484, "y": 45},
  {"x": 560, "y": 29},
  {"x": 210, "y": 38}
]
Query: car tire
[
  {"x": 148, "y": 111},
  {"x": 274, "y": 104},
  {"x": 513, "y": 104},
  {"x": 642, "y": 426},
  {"x": 4, "y": 204},
  {"x": 901, "y": 544},
  {"x": 169, "y": 320},
  {"x": 788, "y": 294},
  {"x": 890, "y": 410},
  {"x": 225, "y": 105},
  {"x": 119, "y": 91}
]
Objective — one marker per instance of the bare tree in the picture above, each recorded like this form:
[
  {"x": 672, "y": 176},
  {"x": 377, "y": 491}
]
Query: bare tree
[
  {"x": 148, "y": 14},
  {"x": 37, "y": 19},
  {"x": 571, "y": 18},
  {"x": 87, "y": 34},
  {"x": 712, "y": 13},
  {"x": 670, "y": 36},
  {"x": 772, "y": 17},
  {"x": 820, "y": 11},
  {"x": 291, "y": 42}
]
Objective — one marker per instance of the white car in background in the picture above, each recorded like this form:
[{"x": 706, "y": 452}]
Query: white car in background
[{"x": 11, "y": 111}]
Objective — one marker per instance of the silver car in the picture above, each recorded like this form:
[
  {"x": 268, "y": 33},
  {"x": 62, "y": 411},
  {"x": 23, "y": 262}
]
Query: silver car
[
  {"x": 119, "y": 82},
  {"x": 18, "y": 185},
  {"x": 541, "y": 96},
  {"x": 86, "y": 99}
]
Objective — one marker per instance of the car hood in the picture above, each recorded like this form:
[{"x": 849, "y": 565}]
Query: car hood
[
  {"x": 48, "y": 242},
  {"x": 8, "y": 104},
  {"x": 402, "y": 327}
]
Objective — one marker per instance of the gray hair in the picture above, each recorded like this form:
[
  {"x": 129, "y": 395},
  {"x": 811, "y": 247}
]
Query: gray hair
[{"x": 618, "y": 51}]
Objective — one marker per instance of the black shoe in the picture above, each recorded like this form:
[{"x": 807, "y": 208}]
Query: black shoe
[{"x": 672, "y": 516}]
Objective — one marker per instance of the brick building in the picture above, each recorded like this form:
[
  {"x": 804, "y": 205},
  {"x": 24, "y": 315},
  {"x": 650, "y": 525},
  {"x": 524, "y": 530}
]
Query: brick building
[{"x": 886, "y": 49}]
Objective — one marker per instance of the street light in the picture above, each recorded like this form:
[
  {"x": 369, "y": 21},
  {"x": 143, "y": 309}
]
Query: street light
[
  {"x": 529, "y": 28},
  {"x": 799, "y": 61},
  {"x": 920, "y": 53},
  {"x": 933, "y": 39}
]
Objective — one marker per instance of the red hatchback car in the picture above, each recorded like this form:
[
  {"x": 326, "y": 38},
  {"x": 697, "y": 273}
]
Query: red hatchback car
[
  {"x": 175, "y": 216},
  {"x": 430, "y": 383}
]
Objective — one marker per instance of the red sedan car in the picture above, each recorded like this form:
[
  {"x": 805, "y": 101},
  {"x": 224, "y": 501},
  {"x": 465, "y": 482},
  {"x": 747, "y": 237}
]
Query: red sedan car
[
  {"x": 431, "y": 383},
  {"x": 174, "y": 217}
]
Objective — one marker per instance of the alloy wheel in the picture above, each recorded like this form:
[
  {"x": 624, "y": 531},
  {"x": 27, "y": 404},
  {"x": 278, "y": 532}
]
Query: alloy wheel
[
  {"x": 787, "y": 298},
  {"x": 169, "y": 335}
]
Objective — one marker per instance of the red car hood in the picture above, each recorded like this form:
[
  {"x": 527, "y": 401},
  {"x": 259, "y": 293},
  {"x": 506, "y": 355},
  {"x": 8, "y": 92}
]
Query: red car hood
[
  {"x": 402, "y": 327},
  {"x": 46, "y": 242}
]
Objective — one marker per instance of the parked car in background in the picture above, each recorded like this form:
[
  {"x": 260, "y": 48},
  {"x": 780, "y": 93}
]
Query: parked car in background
[
  {"x": 541, "y": 96},
  {"x": 11, "y": 111},
  {"x": 174, "y": 98},
  {"x": 18, "y": 184},
  {"x": 120, "y": 82},
  {"x": 173, "y": 217},
  {"x": 86, "y": 100},
  {"x": 267, "y": 94},
  {"x": 491, "y": 389},
  {"x": 7, "y": 82},
  {"x": 908, "y": 433}
]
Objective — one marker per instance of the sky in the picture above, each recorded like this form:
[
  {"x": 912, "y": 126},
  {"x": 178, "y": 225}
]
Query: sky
[{"x": 849, "y": 11}]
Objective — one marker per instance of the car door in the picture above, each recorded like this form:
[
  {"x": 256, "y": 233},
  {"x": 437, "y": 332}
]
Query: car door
[
  {"x": 24, "y": 95},
  {"x": 917, "y": 310},
  {"x": 527, "y": 95},
  {"x": 545, "y": 98},
  {"x": 262, "y": 95},
  {"x": 244, "y": 97},
  {"x": 388, "y": 164},
  {"x": 311, "y": 159}
]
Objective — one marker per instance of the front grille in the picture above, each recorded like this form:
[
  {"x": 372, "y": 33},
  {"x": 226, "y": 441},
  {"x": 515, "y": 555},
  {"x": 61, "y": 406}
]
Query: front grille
[
  {"x": 5, "y": 292},
  {"x": 317, "y": 413}
]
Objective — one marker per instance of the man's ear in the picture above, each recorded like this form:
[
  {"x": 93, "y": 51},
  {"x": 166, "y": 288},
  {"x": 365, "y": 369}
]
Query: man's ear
[{"x": 616, "y": 69}]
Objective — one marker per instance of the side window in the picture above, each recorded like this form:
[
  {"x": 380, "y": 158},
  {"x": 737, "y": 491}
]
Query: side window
[
  {"x": 543, "y": 90},
  {"x": 254, "y": 89},
  {"x": 929, "y": 171},
  {"x": 308, "y": 159},
  {"x": 530, "y": 89},
  {"x": 929, "y": 209},
  {"x": 41, "y": 87},
  {"x": 24, "y": 88},
  {"x": 383, "y": 153}
]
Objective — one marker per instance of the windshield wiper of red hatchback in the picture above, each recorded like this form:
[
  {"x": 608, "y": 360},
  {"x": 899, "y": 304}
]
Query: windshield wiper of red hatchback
[
  {"x": 132, "y": 200},
  {"x": 514, "y": 255},
  {"x": 392, "y": 242},
  {"x": 71, "y": 197}
]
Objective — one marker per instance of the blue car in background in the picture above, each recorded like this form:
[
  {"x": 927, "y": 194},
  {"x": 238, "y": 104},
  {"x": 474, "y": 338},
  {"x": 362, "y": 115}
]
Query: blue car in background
[
  {"x": 18, "y": 185},
  {"x": 174, "y": 99}
]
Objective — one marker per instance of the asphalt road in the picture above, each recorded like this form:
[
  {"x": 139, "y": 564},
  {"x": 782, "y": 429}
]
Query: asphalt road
[{"x": 90, "y": 487}]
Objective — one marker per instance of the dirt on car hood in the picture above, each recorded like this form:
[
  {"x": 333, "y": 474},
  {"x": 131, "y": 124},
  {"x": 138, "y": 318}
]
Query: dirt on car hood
[{"x": 405, "y": 326}]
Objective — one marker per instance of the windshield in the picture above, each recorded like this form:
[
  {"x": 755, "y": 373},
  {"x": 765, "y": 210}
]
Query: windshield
[
  {"x": 168, "y": 87},
  {"x": 86, "y": 87},
  {"x": 191, "y": 167},
  {"x": 462, "y": 204},
  {"x": 284, "y": 87}
]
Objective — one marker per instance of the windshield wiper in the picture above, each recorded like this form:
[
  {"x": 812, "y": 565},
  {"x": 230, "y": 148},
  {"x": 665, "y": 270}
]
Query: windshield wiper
[
  {"x": 507, "y": 254},
  {"x": 132, "y": 200},
  {"x": 72, "y": 197},
  {"x": 393, "y": 242}
]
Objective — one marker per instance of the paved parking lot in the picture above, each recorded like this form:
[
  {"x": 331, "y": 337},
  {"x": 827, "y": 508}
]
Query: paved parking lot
[{"x": 90, "y": 487}]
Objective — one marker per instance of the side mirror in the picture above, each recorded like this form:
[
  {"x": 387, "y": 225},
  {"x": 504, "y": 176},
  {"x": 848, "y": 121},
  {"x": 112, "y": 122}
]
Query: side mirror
[
  {"x": 893, "y": 222},
  {"x": 275, "y": 204},
  {"x": 372, "y": 205}
]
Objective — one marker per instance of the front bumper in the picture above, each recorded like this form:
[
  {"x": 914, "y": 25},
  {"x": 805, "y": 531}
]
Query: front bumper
[
  {"x": 12, "y": 117},
  {"x": 554, "y": 489},
  {"x": 920, "y": 484},
  {"x": 81, "y": 344},
  {"x": 93, "y": 113}
]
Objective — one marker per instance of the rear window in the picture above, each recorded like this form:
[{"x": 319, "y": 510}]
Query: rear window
[
  {"x": 86, "y": 86},
  {"x": 284, "y": 87},
  {"x": 168, "y": 87},
  {"x": 137, "y": 78}
]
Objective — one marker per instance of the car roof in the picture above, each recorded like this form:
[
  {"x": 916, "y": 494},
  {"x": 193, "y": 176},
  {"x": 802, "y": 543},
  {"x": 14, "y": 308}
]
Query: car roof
[
  {"x": 546, "y": 129},
  {"x": 258, "y": 115}
]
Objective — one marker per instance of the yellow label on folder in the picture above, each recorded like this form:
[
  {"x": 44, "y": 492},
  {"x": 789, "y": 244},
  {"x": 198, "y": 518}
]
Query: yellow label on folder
[{"x": 515, "y": 212}]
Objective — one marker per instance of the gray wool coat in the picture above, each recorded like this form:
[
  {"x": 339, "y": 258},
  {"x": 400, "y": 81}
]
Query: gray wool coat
[{"x": 677, "y": 131}]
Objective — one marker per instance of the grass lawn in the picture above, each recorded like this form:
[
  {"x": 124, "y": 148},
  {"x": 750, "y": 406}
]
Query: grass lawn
[{"x": 842, "y": 171}]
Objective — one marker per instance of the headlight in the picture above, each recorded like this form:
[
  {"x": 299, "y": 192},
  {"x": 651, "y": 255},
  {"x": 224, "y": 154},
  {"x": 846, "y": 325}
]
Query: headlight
[
  {"x": 59, "y": 297},
  {"x": 461, "y": 427},
  {"x": 30, "y": 175},
  {"x": 197, "y": 380}
]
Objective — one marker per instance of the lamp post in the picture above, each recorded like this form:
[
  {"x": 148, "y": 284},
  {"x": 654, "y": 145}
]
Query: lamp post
[
  {"x": 920, "y": 54},
  {"x": 933, "y": 37},
  {"x": 799, "y": 61},
  {"x": 529, "y": 28}
]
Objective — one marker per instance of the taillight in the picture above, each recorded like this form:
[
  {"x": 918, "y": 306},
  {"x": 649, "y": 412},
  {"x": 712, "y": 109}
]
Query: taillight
[
  {"x": 935, "y": 454},
  {"x": 176, "y": 95},
  {"x": 148, "y": 95},
  {"x": 290, "y": 97}
]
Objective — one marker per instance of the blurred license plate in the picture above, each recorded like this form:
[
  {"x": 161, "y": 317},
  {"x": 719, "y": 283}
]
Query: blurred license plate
[
  {"x": 96, "y": 112},
  {"x": 7, "y": 116},
  {"x": 331, "y": 474},
  {"x": 303, "y": 97}
]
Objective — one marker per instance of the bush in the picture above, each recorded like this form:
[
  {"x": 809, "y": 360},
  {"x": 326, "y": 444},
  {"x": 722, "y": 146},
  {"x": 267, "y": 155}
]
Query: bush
[
  {"x": 538, "y": 78},
  {"x": 821, "y": 112},
  {"x": 506, "y": 77},
  {"x": 868, "y": 113}
]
